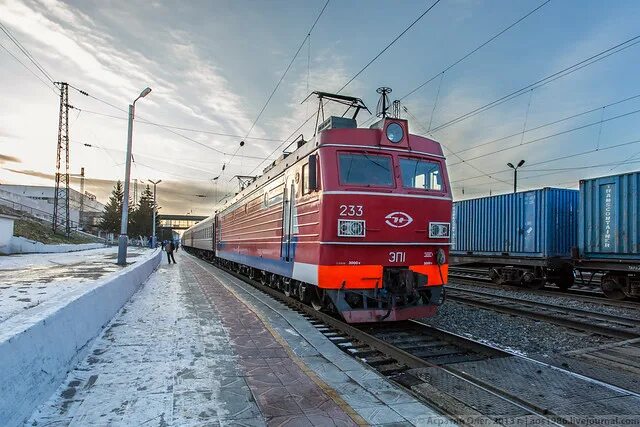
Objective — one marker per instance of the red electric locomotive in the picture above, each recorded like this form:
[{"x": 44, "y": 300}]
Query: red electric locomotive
[{"x": 355, "y": 220}]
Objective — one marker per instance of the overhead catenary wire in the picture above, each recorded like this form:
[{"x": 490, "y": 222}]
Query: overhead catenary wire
[
  {"x": 476, "y": 49},
  {"x": 546, "y": 137},
  {"x": 551, "y": 123},
  {"x": 391, "y": 43},
  {"x": 26, "y": 52},
  {"x": 52, "y": 88},
  {"x": 406, "y": 110},
  {"x": 264, "y": 107},
  {"x": 186, "y": 129},
  {"x": 555, "y": 159},
  {"x": 168, "y": 129},
  {"x": 544, "y": 81}
]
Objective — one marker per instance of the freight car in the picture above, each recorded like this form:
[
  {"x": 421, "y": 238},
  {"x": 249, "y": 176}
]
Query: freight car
[
  {"x": 355, "y": 220},
  {"x": 521, "y": 238},
  {"x": 609, "y": 233}
]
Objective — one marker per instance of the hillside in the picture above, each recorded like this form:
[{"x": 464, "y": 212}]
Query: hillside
[{"x": 35, "y": 229}]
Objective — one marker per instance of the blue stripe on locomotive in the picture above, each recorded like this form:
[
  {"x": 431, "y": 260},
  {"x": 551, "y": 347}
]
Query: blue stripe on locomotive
[{"x": 278, "y": 266}]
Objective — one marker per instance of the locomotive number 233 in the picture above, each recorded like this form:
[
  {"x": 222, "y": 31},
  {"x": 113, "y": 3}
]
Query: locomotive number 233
[{"x": 351, "y": 210}]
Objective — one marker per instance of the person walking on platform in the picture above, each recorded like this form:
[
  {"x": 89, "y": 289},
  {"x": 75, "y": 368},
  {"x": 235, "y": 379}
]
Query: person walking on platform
[{"x": 169, "y": 249}]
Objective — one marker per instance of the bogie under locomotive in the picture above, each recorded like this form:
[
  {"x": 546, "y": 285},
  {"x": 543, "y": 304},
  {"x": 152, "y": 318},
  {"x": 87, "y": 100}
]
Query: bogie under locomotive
[{"x": 355, "y": 220}]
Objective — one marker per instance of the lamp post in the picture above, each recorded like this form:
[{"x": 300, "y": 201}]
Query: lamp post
[
  {"x": 123, "y": 239},
  {"x": 153, "y": 235},
  {"x": 515, "y": 174}
]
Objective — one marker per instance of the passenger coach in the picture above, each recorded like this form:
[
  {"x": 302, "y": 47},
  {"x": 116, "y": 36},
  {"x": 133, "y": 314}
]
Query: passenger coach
[{"x": 355, "y": 220}]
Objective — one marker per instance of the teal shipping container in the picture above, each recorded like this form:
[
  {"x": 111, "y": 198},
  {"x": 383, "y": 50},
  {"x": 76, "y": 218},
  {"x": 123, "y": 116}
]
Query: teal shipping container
[
  {"x": 539, "y": 223},
  {"x": 609, "y": 220}
]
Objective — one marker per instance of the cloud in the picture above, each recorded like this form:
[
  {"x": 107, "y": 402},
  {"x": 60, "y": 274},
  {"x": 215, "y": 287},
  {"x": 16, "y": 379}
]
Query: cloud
[
  {"x": 9, "y": 159},
  {"x": 175, "y": 197}
]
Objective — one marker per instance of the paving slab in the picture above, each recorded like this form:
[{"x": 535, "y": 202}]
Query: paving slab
[{"x": 376, "y": 400}]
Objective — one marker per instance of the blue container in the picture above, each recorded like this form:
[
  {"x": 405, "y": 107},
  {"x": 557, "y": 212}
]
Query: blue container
[
  {"x": 538, "y": 223},
  {"x": 609, "y": 224}
]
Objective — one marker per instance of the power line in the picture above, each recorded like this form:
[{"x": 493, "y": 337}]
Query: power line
[
  {"x": 468, "y": 54},
  {"x": 282, "y": 77},
  {"x": 456, "y": 155},
  {"x": 29, "y": 69},
  {"x": 389, "y": 45},
  {"x": 295, "y": 132},
  {"x": 544, "y": 81},
  {"x": 555, "y": 159},
  {"x": 533, "y": 141},
  {"x": 166, "y": 126},
  {"x": 554, "y": 122},
  {"x": 26, "y": 52},
  {"x": 168, "y": 129}
]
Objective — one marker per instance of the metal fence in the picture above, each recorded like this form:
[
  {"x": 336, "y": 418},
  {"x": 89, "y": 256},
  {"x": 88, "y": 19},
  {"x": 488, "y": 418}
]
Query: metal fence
[{"x": 37, "y": 213}]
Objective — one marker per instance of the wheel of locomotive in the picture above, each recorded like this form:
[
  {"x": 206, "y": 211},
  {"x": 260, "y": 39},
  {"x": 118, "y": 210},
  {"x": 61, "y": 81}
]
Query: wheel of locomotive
[
  {"x": 530, "y": 280},
  {"x": 611, "y": 287}
]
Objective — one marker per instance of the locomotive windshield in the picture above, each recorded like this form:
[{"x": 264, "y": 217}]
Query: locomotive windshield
[
  {"x": 365, "y": 169},
  {"x": 421, "y": 174}
]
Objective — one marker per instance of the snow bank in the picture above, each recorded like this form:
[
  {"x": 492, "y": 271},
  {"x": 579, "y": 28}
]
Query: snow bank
[
  {"x": 20, "y": 245},
  {"x": 37, "y": 349}
]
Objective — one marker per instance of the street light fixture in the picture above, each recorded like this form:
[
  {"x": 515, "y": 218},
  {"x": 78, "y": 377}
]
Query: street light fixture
[
  {"x": 123, "y": 240},
  {"x": 153, "y": 236},
  {"x": 515, "y": 174}
]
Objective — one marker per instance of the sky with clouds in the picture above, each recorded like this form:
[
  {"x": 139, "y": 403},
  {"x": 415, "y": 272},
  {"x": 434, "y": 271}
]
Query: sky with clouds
[{"x": 213, "y": 64}]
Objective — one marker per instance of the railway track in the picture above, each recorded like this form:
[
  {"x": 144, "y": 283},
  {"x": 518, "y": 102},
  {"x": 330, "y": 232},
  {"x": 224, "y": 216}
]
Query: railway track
[
  {"x": 437, "y": 366},
  {"x": 615, "y": 326},
  {"x": 475, "y": 277}
]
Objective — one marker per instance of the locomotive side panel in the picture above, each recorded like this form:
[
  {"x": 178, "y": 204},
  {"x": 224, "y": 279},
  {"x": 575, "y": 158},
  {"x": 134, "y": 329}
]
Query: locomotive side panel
[{"x": 276, "y": 230}]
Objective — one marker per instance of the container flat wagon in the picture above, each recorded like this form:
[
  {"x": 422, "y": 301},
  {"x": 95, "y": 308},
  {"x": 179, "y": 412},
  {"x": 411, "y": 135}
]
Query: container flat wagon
[
  {"x": 524, "y": 238},
  {"x": 609, "y": 233}
]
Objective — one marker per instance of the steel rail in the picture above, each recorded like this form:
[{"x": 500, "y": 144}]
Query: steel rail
[
  {"x": 532, "y": 310},
  {"x": 403, "y": 357},
  {"x": 586, "y": 296}
]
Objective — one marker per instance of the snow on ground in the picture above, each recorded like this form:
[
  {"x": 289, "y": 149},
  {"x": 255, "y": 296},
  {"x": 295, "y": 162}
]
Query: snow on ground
[
  {"x": 26, "y": 281},
  {"x": 164, "y": 360}
]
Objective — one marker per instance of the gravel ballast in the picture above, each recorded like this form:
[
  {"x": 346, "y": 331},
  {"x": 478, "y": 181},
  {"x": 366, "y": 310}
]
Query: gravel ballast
[{"x": 512, "y": 333}]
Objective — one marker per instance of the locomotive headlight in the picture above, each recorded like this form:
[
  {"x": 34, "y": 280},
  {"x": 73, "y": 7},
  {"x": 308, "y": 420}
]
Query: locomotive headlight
[
  {"x": 394, "y": 133},
  {"x": 439, "y": 230},
  {"x": 351, "y": 228}
]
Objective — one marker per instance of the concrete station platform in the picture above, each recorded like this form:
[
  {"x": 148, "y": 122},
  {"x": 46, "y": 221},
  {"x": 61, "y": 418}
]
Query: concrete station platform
[
  {"x": 29, "y": 280},
  {"x": 198, "y": 347}
]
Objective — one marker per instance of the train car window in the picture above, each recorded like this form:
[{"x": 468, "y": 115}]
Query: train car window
[
  {"x": 421, "y": 174},
  {"x": 305, "y": 178},
  {"x": 365, "y": 169}
]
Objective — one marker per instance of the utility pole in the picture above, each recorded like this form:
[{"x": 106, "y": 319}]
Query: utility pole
[
  {"x": 123, "y": 240},
  {"x": 153, "y": 236},
  {"x": 81, "y": 175},
  {"x": 61, "y": 194}
]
